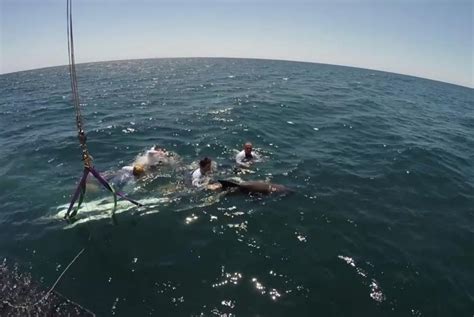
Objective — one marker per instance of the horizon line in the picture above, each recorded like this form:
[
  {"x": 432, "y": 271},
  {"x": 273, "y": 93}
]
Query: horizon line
[{"x": 250, "y": 58}]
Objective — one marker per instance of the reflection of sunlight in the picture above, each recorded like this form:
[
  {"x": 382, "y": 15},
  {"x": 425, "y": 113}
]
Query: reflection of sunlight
[
  {"x": 375, "y": 290},
  {"x": 232, "y": 278},
  {"x": 259, "y": 286},
  {"x": 238, "y": 226},
  {"x": 204, "y": 202},
  {"x": 170, "y": 290},
  {"x": 273, "y": 293},
  {"x": 191, "y": 219},
  {"x": 229, "y": 303},
  {"x": 165, "y": 287},
  {"x": 114, "y": 306},
  {"x": 300, "y": 237}
]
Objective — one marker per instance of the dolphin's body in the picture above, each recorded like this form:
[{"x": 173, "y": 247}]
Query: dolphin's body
[{"x": 255, "y": 187}]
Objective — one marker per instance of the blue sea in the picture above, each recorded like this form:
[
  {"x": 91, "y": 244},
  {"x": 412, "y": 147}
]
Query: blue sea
[{"x": 380, "y": 223}]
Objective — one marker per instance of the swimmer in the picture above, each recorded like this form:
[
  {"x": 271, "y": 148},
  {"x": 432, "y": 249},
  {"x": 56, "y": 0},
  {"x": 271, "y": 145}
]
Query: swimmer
[
  {"x": 201, "y": 176},
  {"x": 120, "y": 178},
  {"x": 127, "y": 174},
  {"x": 158, "y": 156},
  {"x": 246, "y": 157}
]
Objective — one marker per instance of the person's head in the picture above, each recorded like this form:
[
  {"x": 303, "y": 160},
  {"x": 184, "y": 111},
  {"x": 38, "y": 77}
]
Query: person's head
[
  {"x": 248, "y": 148},
  {"x": 138, "y": 170},
  {"x": 159, "y": 148},
  {"x": 205, "y": 164}
]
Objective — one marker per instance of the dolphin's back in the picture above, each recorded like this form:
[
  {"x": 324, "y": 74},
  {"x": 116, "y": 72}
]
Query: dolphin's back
[{"x": 254, "y": 187}]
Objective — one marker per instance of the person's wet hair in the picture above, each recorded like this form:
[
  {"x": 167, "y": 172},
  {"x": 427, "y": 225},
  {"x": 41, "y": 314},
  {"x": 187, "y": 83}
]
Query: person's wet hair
[
  {"x": 138, "y": 170},
  {"x": 204, "y": 162}
]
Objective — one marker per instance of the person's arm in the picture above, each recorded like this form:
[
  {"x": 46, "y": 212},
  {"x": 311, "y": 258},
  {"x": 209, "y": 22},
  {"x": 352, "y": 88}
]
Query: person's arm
[
  {"x": 256, "y": 157},
  {"x": 214, "y": 186}
]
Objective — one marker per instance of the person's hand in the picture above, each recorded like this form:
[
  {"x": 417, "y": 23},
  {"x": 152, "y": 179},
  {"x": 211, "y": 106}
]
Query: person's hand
[
  {"x": 246, "y": 171},
  {"x": 214, "y": 186}
]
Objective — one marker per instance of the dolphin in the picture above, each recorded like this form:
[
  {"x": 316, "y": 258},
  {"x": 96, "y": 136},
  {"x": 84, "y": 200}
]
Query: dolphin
[{"x": 254, "y": 187}]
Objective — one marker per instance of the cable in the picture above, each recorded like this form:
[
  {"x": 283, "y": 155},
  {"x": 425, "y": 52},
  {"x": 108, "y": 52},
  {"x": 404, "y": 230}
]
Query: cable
[{"x": 24, "y": 306}]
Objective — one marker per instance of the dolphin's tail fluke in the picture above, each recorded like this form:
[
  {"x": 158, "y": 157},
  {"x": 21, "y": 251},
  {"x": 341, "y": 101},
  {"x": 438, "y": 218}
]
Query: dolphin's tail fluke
[{"x": 226, "y": 184}]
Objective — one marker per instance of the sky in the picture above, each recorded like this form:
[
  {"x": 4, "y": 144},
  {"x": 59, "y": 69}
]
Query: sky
[{"x": 424, "y": 38}]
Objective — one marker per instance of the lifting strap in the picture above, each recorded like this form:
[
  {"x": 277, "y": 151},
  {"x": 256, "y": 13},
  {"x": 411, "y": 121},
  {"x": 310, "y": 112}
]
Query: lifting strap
[{"x": 86, "y": 157}]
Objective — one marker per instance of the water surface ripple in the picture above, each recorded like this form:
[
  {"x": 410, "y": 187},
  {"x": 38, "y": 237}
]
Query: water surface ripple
[{"x": 381, "y": 224}]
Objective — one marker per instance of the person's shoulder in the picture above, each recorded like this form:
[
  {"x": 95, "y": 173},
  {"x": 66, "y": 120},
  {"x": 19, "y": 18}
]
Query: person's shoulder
[
  {"x": 241, "y": 153},
  {"x": 127, "y": 168}
]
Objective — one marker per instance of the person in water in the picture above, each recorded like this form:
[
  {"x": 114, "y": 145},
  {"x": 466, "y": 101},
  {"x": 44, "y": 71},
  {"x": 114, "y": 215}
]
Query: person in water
[
  {"x": 247, "y": 156},
  {"x": 201, "y": 176},
  {"x": 144, "y": 164},
  {"x": 156, "y": 157},
  {"x": 118, "y": 179},
  {"x": 127, "y": 174}
]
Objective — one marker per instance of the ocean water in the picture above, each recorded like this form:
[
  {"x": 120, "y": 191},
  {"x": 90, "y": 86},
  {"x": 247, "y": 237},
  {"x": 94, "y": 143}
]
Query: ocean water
[{"x": 381, "y": 222}]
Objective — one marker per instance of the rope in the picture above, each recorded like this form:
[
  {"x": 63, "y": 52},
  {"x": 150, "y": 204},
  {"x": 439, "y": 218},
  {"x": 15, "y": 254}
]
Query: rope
[
  {"x": 24, "y": 306},
  {"x": 86, "y": 157},
  {"x": 74, "y": 87},
  {"x": 72, "y": 66}
]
